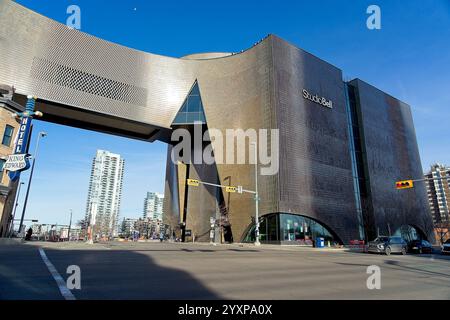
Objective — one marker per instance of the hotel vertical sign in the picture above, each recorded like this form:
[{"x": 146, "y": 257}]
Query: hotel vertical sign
[{"x": 18, "y": 161}]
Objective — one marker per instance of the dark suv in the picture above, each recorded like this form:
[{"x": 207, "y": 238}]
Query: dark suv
[
  {"x": 445, "y": 249},
  {"x": 388, "y": 245},
  {"x": 420, "y": 246}
]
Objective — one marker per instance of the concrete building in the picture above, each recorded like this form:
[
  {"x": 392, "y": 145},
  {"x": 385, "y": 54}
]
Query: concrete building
[
  {"x": 439, "y": 193},
  {"x": 153, "y": 206},
  {"x": 105, "y": 192},
  {"x": 8, "y": 129},
  {"x": 341, "y": 144}
]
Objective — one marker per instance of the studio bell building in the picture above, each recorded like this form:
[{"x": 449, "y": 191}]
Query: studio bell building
[{"x": 342, "y": 145}]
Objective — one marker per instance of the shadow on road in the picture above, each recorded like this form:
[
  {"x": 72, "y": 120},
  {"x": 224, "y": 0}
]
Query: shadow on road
[
  {"x": 105, "y": 274},
  {"x": 197, "y": 250},
  {"x": 24, "y": 276},
  {"x": 410, "y": 268}
]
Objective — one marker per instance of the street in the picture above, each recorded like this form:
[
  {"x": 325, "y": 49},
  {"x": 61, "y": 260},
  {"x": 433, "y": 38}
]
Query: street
[{"x": 202, "y": 271}]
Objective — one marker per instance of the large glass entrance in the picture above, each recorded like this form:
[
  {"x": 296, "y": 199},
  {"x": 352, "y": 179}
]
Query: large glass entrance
[{"x": 284, "y": 228}]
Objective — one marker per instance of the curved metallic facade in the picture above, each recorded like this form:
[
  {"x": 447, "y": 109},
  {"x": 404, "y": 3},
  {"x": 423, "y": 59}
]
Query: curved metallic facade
[{"x": 90, "y": 83}]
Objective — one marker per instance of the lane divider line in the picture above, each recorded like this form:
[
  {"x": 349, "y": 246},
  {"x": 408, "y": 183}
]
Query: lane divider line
[{"x": 66, "y": 293}]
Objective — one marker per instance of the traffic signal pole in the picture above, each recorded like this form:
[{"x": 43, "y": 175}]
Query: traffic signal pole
[
  {"x": 401, "y": 184},
  {"x": 431, "y": 179},
  {"x": 238, "y": 189}
]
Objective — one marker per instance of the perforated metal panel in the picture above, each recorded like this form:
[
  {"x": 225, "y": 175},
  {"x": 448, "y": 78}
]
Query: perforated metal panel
[
  {"x": 47, "y": 59},
  {"x": 72, "y": 78}
]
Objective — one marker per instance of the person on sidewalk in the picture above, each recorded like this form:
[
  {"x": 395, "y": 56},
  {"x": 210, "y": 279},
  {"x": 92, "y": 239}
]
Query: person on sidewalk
[{"x": 28, "y": 235}]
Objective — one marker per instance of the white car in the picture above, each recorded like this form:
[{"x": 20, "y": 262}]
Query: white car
[{"x": 445, "y": 248}]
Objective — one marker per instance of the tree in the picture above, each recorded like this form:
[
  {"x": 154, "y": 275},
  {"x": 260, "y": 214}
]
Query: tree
[
  {"x": 442, "y": 230},
  {"x": 83, "y": 226}
]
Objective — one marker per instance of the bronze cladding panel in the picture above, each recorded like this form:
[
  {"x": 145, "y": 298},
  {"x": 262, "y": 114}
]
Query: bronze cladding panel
[
  {"x": 392, "y": 155},
  {"x": 315, "y": 178}
]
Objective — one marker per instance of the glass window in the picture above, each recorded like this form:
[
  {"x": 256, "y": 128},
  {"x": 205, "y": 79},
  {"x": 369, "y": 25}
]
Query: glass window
[
  {"x": 195, "y": 91},
  {"x": 194, "y": 104},
  {"x": 7, "y": 135},
  {"x": 289, "y": 228},
  {"x": 302, "y": 230},
  {"x": 408, "y": 233},
  {"x": 180, "y": 118},
  {"x": 272, "y": 228},
  {"x": 192, "y": 109},
  {"x": 2, "y": 164},
  {"x": 191, "y": 117},
  {"x": 263, "y": 230},
  {"x": 184, "y": 108}
]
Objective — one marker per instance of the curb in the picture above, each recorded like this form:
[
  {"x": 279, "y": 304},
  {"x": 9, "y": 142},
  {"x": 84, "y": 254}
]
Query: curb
[{"x": 8, "y": 241}]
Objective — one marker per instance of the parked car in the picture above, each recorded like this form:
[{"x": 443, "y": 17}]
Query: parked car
[
  {"x": 445, "y": 249},
  {"x": 388, "y": 245},
  {"x": 420, "y": 246}
]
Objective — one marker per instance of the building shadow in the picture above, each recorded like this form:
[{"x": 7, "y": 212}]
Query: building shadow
[
  {"x": 105, "y": 275},
  {"x": 415, "y": 269},
  {"x": 24, "y": 276}
]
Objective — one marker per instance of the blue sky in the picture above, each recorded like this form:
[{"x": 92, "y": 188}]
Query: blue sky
[{"x": 408, "y": 58}]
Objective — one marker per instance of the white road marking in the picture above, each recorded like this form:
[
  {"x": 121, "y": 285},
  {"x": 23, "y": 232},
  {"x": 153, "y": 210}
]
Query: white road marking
[{"x": 66, "y": 293}]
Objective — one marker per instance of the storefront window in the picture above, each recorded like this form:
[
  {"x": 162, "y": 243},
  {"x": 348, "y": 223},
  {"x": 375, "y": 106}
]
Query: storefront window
[
  {"x": 289, "y": 229},
  {"x": 408, "y": 233}
]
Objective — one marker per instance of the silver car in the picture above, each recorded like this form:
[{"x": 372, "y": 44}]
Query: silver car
[{"x": 388, "y": 245}]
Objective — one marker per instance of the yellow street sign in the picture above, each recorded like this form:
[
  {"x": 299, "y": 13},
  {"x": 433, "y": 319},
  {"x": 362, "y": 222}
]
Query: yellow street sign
[
  {"x": 406, "y": 184},
  {"x": 231, "y": 189},
  {"x": 192, "y": 182}
]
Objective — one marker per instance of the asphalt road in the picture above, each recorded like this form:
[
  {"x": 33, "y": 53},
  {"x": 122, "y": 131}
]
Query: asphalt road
[{"x": 187, "y": 271}]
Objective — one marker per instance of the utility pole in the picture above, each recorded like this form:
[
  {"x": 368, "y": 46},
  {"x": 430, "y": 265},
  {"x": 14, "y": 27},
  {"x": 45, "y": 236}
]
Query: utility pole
[
  {"x": 93, "y": 212},
  {"x": 11, "y": 227},
  {"x": 257, "y": 243},
  {"x": 41, "y": 134},
  {"x": 70, "y": 224}
]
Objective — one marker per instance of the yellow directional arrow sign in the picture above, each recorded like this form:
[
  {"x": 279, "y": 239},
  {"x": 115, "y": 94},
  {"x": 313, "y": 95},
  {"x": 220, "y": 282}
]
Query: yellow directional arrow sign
[{"x": 192, "y": 182}]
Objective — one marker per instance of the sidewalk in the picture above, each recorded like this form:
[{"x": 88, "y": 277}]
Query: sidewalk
[{"x": 267, "y": 246}]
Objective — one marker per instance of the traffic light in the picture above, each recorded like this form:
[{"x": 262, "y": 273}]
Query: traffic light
[
  {"x": 406, "y": 184},
  {"x": 193, "y": 182}
]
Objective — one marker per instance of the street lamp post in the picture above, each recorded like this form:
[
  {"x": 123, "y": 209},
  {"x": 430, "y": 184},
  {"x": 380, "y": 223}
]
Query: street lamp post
[
  {"x": 70, "y": 225},
  {"x": 11, "y": 227},
  {"x": 41, "y": 134},
  {"x": 222, "y": 235},
  {"x": 257, "y": 243}
]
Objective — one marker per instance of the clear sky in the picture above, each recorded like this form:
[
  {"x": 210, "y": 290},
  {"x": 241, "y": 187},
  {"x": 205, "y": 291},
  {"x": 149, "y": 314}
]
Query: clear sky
[{"x": 408, "y": 58}]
